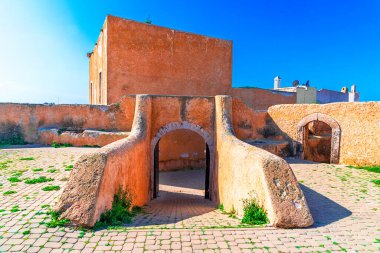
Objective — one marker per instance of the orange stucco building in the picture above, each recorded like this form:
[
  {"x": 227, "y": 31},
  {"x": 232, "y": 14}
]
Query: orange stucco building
[{"x": 137, "y": 58}]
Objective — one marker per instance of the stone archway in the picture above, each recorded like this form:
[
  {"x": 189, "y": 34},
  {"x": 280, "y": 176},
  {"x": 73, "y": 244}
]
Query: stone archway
[
  {"x": 335, "y": 133},
  {"x": 188, "y": 126}
]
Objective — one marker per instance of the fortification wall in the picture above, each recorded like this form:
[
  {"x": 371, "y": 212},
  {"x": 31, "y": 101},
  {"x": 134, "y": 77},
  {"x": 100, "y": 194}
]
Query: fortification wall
[
  {"x": 359, "y": 124},
  {"x": 261, "y": 99},
  {"x": 148, "y": 59},
  {"x": 29, "y": 119}
]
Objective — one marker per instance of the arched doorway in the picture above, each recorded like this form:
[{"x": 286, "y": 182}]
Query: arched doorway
[
  {"x": 197, "y": 153},
  {"x": 319, "y": 135}
]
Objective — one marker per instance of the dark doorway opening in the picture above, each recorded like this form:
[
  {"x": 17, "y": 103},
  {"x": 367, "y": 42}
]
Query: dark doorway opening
[
  {"x": 194, "y": 173},
  {"x": 317, "y": 142}
]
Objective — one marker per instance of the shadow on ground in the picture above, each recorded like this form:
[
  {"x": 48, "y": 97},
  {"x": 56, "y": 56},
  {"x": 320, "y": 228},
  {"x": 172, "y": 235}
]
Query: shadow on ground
[{"x": 324, "y": 210}]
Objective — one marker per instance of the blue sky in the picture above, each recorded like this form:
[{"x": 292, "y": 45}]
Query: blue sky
[{"x": 331, "y": 43}]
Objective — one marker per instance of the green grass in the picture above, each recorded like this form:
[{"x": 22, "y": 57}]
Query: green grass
[
  {"x": 69, "y": 167},
  {"x": 26, "y": 159},
  {"x": 55, "y": 220},
  {"x": 375, "y": 169},
  {"x": 376, "y": 182},
  {"x": 37, "y": 169},
  {"x": 38, "y": 180},
  {"x": 26, "y": 232},
  {"x": 14, "y": 179},
  {"x": 15, "y": 209},
  {"x": 9, "y": 193},
  {"x": 45, "y": 206},
  {"x": 51, "y": 188},
  {"x": 121, "y": 212},
  {"x": 221, "y": 207},
  {"x": 52, "y": 170},
  {"x": 17, "y": 173},
  {"x": 60, "y": 145},
  {"x": 253, "y": 213}
]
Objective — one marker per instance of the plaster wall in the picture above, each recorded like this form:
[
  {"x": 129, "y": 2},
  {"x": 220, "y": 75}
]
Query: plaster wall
[
  {"x": 248, "y": 172},
  {"x": 325, "y": 96},
  {"x": 261, "y": 99},
  {"x": 148, "y": 59},
  {"x": 98, "y": 70},
  {"x": 30, "y": 118},
  {"x": 359, "y": 124}
]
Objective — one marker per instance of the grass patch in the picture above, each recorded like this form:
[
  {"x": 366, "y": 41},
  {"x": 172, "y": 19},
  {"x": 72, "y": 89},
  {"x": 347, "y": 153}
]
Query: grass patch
[
  {"x": 254, "y": 214},
  {"x": 69, "y": 167},
  {"x": 14, "y": 179},
  {"x": 26, "y": 232},
  {"x": 376, "y": 182},
  {"x": 221, "y": 207},
  {"x": 51, "y": 188},
  {"x": 27, "y": 158},
  {"x": 60, "y": 145},
  {"x": 121, "y": 212},
  {"x": 375, "y": 169},
  {"x": 17, "y": 173},
  {"x": 9, "y": 193},
  {"x": 37, "y": 169},
  {"x": 52, "y": 170},
  {"x": 5, "y": 164},
  {"x": 45, "y": 206},
  {"x": 15, "y": 209},
  {"x": 55, "y": 220},
  {"x": 38, "y": 180}
]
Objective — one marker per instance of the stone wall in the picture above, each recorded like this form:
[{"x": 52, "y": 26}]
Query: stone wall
[
  {"x": 248, "y": 172},
  {"x": 148, "y": 59},
  {"x": 30, "y": 119},
  {"x": 261, "y": 99},
  {"x": 359, "y": 125}
]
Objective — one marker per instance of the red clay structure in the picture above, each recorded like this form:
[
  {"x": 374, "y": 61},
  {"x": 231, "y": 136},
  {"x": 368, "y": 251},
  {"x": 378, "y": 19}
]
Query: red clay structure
[{"x": 189, "y": 116}]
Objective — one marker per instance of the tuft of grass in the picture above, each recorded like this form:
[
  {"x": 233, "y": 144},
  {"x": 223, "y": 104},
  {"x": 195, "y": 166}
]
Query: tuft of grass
[
  {"x": 45, "y": 206},
  {"x": 121, "y": 212},
  {"x": 254, "y": 214},
  {"x": 14, "y": 179},
  {"x": 55, "y": 220},
  {"x": 69, "y": 167},
  {"x": 376, "y": 182},
  {"x": 51, "y": 188},
  {"x": 221, "y": 207},
  {"x": 375, "y": 168},
  {"x": 38, "y": 180},
  {"x": 52, "y": 170},
  {"x": 37, "y": 169},
  {"x": 17, "y": 173},
  {"x": 26, "y": 232},
  {"x": 15, "y": 209},
  {"x": 26, "y": 159},
  {"x": 60, "y": 145},
  {"x": 9, "y": 193}
]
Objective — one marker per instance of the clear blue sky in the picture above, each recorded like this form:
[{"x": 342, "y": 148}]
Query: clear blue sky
[{"x": 336, "y": 43}]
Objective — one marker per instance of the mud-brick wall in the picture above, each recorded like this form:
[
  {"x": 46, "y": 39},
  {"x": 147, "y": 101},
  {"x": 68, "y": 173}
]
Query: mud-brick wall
[
  {"x": 359, "y": 123},
  {"x": 261, "y": 99},
  {"x": 246, "y": 121},
  {"x": 148, "y": 59},
  {"x": 26, "y": 119}
]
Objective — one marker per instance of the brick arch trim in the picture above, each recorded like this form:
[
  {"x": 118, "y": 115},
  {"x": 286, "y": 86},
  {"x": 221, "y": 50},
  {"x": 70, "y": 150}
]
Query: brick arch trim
[
  {"x": 189, "y": 126},
  {"x": 335, "y": 132}
]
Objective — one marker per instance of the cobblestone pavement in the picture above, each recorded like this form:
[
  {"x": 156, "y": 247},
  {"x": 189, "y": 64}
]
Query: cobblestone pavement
[{"x": 344, "y": 202}]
